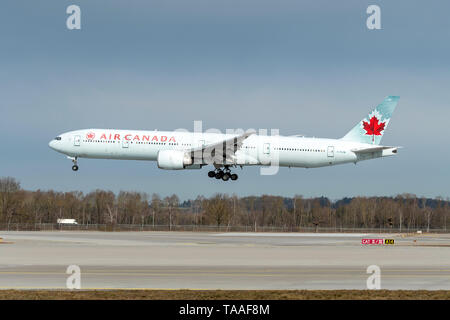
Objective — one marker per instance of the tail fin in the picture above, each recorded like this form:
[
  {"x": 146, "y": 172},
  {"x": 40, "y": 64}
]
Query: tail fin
[{"x": 371, "y": 129}]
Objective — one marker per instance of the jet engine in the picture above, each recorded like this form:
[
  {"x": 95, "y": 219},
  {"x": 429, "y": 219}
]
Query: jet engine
[{"x": 173, "y": 159}]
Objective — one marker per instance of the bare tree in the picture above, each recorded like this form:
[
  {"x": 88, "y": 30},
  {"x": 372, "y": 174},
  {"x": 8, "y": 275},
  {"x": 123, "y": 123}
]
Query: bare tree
[
  {"x": 155, "y": 206},
  {"x": 218, "y": 209},
  {"x": 8, "y": 189}
]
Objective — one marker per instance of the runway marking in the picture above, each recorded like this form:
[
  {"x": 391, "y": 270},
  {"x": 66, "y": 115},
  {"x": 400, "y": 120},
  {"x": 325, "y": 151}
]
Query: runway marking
[
  {"x": 223, "y": 270},
  {"x": 428, "y": 273},
  {"x": 101, "y": 288},
  {"x": 292, "y": 234}
]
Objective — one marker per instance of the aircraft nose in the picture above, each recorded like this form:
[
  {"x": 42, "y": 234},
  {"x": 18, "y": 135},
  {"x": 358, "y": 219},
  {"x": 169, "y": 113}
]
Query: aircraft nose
[{"x": 52, "y": 144}]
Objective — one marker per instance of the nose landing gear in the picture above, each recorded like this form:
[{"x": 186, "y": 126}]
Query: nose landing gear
[
  {"x": 225, "y": 175},
  {"x": 75, "y": 163}
]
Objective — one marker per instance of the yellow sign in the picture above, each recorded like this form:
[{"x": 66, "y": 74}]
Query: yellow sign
[{"x": 388, "y": 241}]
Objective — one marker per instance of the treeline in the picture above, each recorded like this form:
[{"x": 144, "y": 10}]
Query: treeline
[{"x": 405, "y": 211}]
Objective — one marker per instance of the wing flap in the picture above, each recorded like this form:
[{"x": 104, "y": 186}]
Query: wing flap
[{"x": 225, "y": 149}]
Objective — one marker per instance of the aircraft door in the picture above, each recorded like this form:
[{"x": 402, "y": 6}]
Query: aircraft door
[
  {"x": 263, "y": 151},
  {"x": 76, "y": 141},
  {"x": 330, "y": 152},
  {"x": 125, "y": 143}
]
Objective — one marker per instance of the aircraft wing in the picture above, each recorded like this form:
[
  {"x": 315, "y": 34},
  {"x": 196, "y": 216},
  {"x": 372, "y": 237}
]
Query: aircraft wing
[{"x": 225, "y": 149}]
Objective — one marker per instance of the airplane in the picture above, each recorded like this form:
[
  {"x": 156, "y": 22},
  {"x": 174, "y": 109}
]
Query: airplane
[{"x": 176, "y": 150}]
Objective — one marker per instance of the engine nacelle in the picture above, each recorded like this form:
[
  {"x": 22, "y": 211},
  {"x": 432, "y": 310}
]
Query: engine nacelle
[{"x": 173, "y": 159}]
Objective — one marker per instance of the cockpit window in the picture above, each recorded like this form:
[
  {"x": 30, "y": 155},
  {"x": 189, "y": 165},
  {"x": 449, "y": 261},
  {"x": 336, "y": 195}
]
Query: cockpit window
[{"x": 58, "y": 138}]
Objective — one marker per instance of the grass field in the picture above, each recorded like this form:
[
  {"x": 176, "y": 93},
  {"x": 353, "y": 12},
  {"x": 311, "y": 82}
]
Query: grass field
[{"x": 223, "y": 295}]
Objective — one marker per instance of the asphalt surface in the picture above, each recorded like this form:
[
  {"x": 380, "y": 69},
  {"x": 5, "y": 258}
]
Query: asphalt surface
[{"x": 173, "y": 260}]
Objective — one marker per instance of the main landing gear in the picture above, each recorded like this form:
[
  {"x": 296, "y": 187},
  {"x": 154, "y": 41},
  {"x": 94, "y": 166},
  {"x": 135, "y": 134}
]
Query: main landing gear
[
  {"x": 75, "y": 163},
  {"x": 225, "y": 175}
]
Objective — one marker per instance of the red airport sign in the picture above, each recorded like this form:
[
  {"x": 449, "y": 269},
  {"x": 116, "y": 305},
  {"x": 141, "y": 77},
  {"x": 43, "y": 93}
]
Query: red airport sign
[{"x": 377, "y": 241}]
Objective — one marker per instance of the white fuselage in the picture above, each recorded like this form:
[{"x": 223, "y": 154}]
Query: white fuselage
[{"x": 287, "y": 151}]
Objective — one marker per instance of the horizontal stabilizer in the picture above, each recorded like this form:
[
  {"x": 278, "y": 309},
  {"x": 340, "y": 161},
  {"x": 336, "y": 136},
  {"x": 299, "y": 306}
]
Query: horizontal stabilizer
[{"x": 374, "y": 149}]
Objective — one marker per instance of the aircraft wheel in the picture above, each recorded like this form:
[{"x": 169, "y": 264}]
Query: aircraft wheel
[
  {"x": 226, "y": 176},
  {"x": 75, "y": 167},
  {"x": 234, "y": 176},
  {"x": 211, "y": 174},
  {"x": 219, "y": 175}
]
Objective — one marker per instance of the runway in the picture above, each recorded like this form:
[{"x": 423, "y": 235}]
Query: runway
[{"x": 174, "y": 260}]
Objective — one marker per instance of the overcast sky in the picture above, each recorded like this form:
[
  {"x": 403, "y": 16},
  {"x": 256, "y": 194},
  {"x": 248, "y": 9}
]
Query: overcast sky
[{"x": 303, "y": 67}]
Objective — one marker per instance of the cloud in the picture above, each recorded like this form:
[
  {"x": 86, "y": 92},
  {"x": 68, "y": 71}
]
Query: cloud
[{"x": 302, "y": 67}]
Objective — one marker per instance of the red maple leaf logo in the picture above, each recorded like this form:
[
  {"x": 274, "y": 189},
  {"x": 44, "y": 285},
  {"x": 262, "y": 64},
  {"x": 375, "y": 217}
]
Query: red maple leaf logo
[
  {"x": 374, "y": 127},
  {"x": 90, "y": 136}
]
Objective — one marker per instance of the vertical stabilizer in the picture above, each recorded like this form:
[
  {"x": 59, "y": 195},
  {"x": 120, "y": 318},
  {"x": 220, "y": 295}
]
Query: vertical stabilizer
[{"x": 371, "y": 129}]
